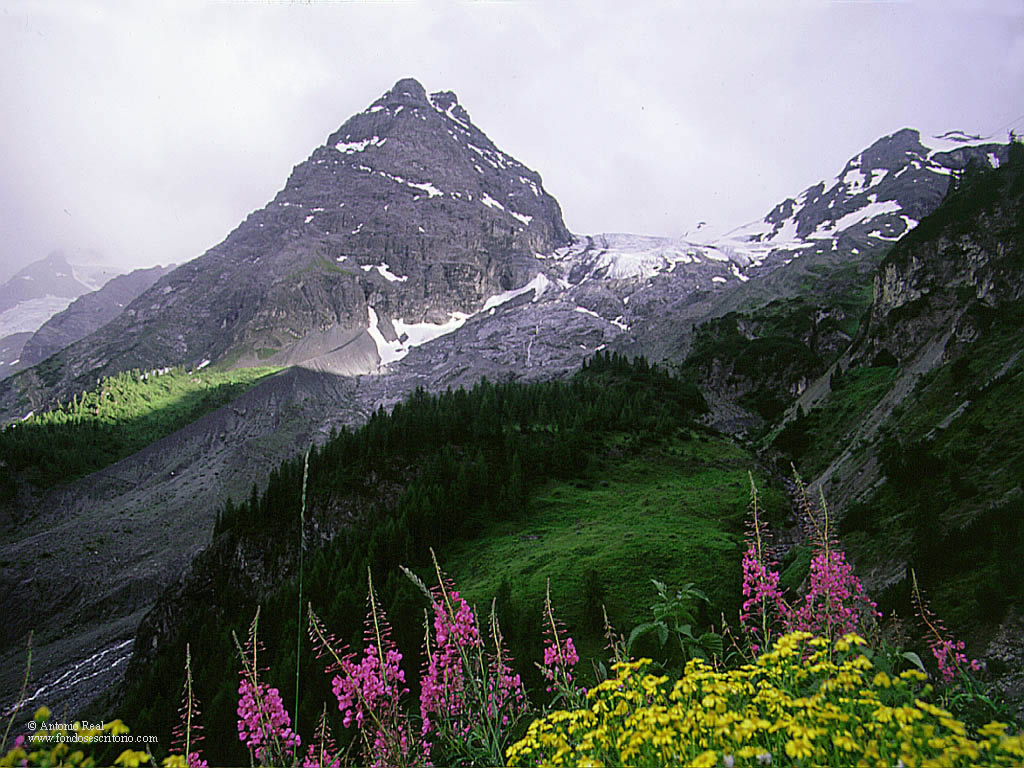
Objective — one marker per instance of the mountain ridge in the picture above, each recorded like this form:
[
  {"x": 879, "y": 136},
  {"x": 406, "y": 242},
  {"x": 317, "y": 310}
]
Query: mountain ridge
[{"x": 326, "y": 285}]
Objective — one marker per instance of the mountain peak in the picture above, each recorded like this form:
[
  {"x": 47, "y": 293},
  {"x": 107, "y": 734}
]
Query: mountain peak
[
  {"x": 892, "y": 151},
  {"x": 408, "y": 215},
  {"x": 448, "y": 102},
  {"x": 406, "y": 92}
]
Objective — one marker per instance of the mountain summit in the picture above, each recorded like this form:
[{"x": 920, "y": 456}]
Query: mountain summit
[{"x": 407, "y": 215}]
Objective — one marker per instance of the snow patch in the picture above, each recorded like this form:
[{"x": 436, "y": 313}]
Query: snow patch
[
  {"x": 952, "y": 140},
  {"x": 869, "y": 211},
  {"x": 385, "y": 271},
  {"x": 30, "y": 315},
  {"x": 420, "y": 333},
  {"x": 854, "y": 180},
  {"x": 410, "y": 335},
  {"x": 522, "y": 217},
  {"x": 739, "y": 275},
  {"x": 491, "y": 202},
  {"x": 348, "y": 147},
  {"x": 538, "y": 285},
  {"x": 427, "y": 187}
]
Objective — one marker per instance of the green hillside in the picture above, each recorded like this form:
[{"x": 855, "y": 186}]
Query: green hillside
[
  {"x": 599, "y": 483},
  {"x": 120, "y": 416}
]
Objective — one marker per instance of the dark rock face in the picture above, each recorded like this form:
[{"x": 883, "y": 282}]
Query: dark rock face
[
  {"x": 408, "y": 209},
  {"x": 924, "y": 287},
  {"x": 879, "y": 196}
]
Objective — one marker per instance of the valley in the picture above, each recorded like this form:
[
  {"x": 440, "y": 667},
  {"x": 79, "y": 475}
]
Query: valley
[{"x": 467, "y": 376}]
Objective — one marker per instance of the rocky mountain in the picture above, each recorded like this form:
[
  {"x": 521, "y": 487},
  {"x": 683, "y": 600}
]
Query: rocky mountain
[
  {"x": 812, "y": 259},
  {"x": 408, "y": 211},
  {"x": 879, "y": 195},
  {"x": 88, "y": 313},
  {"x": 50, "y": 279},
  {"x": 34, "y": 295},
  {"x": 946, "y": 292},
  {"x": 913, "y": 432},
  {"x": 409, "y": 251},
  {"x": 941, "y": 339}
]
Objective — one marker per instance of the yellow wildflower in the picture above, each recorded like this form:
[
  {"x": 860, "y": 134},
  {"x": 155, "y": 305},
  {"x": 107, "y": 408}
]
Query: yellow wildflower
[{"x": 131, "y": 758}]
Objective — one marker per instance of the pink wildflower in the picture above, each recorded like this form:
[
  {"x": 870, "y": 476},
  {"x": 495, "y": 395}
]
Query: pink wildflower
[
  {"x": 949, "y": 653},
  {"x": 263, "y": 724},
  {"x": 560, "y": 655},
  {"x": 442, "y": 691},
  {"x": 322, "y": 751},
  {"x": 764, "y": 607},
  {"x": 369, "y": 685},
  {"x": 835, "y": 601}
]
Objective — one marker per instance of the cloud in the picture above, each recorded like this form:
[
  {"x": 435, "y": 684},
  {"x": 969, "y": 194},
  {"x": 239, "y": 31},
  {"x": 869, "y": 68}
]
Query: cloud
[{"x": 148, "y": 131}]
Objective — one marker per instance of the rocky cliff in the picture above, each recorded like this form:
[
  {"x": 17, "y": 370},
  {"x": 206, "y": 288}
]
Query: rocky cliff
[{"x": 408, "y": 214}]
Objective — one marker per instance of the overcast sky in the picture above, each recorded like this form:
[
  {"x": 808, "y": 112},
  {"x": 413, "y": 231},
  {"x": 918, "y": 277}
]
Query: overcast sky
[{"x": 145, "y": 131}]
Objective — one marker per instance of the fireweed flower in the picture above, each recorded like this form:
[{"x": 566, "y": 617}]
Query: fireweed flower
[
  {"x": 369, "y": 685},
  {"x": 560, "y": 656},
  {"x": 835, "y": 603},
  {"x": 949, "y": 653},
  {"x": 188, "y": 733},
  {"x": 456, "y": 636},
  {"x": 470, "y": 697},
  {"x": 369, "y": 692},
  {"x": 263, "y": 724},
  {"x": 764, "y": 607},
  {"x": 322, "y": 751},
  {"x": 369, "y": 689}
]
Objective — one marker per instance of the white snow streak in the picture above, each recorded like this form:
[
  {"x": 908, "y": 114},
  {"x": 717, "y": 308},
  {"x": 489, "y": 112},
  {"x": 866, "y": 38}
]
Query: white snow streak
[
  {"x": 491, "y": 202},
  {"x": 538, "y": 285},
  {"x": 385, "y": 271},
  {"x": 348, "y": 147},
  {"x": 410, "y": 335}
]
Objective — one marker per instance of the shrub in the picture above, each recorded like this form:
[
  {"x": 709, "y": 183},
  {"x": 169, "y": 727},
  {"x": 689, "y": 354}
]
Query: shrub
[{"x": 804, "y": 702}]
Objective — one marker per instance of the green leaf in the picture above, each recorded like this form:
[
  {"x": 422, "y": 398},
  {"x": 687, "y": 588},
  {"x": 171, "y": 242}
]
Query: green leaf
[
  {"x": 638, "y": 631},
  {"x": 914, "y": 659},
  {"x": 712, "y": 641}
]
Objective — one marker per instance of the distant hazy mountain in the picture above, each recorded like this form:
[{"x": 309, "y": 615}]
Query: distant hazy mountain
[
  {"x": 409, "y": 251},
  {"x": 88, "y": 313},
  {"x": 35, "y": 294}
]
